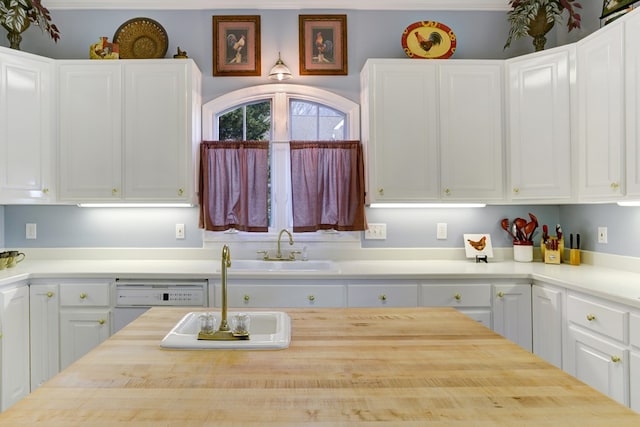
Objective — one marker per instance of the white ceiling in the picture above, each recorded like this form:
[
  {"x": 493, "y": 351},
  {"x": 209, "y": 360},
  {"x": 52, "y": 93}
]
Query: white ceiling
[{"x": 280, "y": 4}]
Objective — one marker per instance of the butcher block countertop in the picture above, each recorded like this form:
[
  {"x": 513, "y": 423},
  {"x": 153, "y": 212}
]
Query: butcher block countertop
[{"x": 360, "y": 367}]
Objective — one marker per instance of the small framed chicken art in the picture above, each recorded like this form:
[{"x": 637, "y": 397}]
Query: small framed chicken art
[
  {"x": 478, "y": 245},
  {"x": 236, "y": 45},
  {"x": 323, "y": 44},
  {"x": 428, "y": 40}
]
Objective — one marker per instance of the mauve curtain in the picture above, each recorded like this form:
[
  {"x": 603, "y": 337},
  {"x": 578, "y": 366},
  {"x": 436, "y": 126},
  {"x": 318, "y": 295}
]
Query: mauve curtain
[
  {"x": 233, "y": 185},
  {"x": 327, "y": 185}
]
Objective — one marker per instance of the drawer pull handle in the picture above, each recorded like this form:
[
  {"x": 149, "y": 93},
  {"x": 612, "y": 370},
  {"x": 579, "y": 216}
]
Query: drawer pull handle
[
  {"x": 101, "y": 321},
  {"x": 382, "y": 297},
  {"x": 457, "y": 296},
  {"x": 180, "y": 191},
  {"x": 500, "y": 294},
  {"x": 49, "y": 294},
  {"x": 311, "y": 298},
  {"x": 591, "y": 317},
  {"x": 447, "y": 191},
  {"x": 83, "y": 295},
  {"x": 381, "y": 191},
  {"x": 246, "y": 298},
  {"x": 516, "y": 190},
  {"x": 45, "y": 191},
  {"x": 114, "y": 191},
  {"x": 615, "y": 359}
]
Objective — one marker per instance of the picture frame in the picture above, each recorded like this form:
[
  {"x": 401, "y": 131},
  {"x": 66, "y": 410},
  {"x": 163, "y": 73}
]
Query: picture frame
[
  {"x": 236, "y": 45},
  {"x": 323, "y": 44},
  {"x": 478, "y": 245},
  {"x": 610, "y": 7}
]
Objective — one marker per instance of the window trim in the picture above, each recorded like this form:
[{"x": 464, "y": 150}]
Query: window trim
[{"x": 280, "y": 94}]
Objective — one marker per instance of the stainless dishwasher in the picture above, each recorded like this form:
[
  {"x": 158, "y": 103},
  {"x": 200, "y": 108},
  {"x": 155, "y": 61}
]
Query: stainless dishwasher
[{"x": 135, "y": 296}]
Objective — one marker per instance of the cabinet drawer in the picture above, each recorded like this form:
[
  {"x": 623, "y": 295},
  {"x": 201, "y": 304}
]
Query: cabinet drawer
[
  {"x": 84, "y": 294},
  {"x": 597, "y": 317},
  {"x": 381, "y": 295},
  {"x": 285, "y": 296},
  {"x": 463, "y": 295}
]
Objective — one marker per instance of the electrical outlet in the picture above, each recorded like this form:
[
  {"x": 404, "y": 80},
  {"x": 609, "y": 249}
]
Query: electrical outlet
[
  {"x": 179, "y": 231},
  {"x": 31, "y": 231},
  {"x": 441, "y": 231},
  {"x": 376, "y": 232},
  {"x": 602, "y": 235}
]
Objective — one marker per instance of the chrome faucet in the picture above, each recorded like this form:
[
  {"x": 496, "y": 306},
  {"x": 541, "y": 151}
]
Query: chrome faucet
[{"x": 284, "y": 230}]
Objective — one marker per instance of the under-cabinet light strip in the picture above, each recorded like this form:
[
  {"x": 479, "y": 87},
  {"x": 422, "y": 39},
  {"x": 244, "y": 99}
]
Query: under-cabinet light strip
[{"x": 428, "y": 205}]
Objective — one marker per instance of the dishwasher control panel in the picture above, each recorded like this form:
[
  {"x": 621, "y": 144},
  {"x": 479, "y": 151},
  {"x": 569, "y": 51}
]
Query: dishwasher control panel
[{"x": 135, "y": 294}]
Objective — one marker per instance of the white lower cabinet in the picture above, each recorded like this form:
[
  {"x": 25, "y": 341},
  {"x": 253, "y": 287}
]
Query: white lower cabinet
[
  {"x": 512, "y": 313},
  {"x": 472, "y": 299},
  {"x": 597, "y": 345},
  {"x": 14, "y": 344},
  {"x": 85, "y": 318},
  {"x": 382, "y": 294},
  {"x": 547, "y": 323},
  {"x": 634, "y": 361},
  {"x": 45, "y": 333},
  {"x": 279, "y": 293}
]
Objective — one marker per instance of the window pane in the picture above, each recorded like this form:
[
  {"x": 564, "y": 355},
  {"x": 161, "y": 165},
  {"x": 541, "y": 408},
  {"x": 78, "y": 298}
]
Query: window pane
[
  {"x": 311, "y": 122},
  {"x": 247, "y": 122}
]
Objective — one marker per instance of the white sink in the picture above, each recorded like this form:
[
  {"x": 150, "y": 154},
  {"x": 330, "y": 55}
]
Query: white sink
[
  {"x": 267, "y": 330},
  {"x": 281, "y": 266}
]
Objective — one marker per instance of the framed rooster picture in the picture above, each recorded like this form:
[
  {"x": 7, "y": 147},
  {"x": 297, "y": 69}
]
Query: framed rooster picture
[
  {"x": 323, "y": 44},
  {"x": 428, "y": 40},
  {"x": 478, "y": 245},
  {"x": 236, "y": 45}
]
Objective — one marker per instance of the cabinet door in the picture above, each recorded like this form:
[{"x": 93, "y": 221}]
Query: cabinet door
[
  {"x": 14, "y": 345},
  {"x": 156, "y": 132},
  {"x": 80, "y": 332},
  {"x": 512, "y": 313},
  {"x": 45, "y": 333},
  {"x": 471, "y": 131},
  {"x": 600, "y": 363},
  {"x": 540, "y": 125},
  {"x": 547, "y": 324},
  {"x": 634, "y": 367},
  {"x": 26, "y": 136},
  {"x": 90, "y": 132},
  {"x": 402, "y": 121},
  {"x": 632, "y": 91},
  {"x": 600, "y": 77}
]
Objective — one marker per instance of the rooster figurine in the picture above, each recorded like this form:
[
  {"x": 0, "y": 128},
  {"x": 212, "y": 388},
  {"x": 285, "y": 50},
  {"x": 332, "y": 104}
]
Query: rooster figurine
[
  {"x": 478, "y": 245},
  {"x": 427, "y": 43}
]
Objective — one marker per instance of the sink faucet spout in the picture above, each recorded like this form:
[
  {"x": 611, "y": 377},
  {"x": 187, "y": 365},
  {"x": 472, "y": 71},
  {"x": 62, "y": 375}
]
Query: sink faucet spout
[
  {"x": 226, "y": 262},
  {"x": 284, "y": 230}
]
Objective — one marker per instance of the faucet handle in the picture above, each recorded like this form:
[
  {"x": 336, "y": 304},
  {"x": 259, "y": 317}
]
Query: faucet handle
[
  {"x": 292, "y": 255},
  {"x": 265, "y": 254}
]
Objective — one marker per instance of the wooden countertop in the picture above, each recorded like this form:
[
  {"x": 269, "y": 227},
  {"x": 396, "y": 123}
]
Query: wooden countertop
[{"x": 391, "y": 367}]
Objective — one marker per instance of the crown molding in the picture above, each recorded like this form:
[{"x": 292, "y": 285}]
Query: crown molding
[{"x": 478, "y": 5}]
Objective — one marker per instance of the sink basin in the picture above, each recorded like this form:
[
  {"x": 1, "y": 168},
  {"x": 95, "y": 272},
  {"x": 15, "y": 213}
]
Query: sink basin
[
  {"x": 281, "y": 266},
  {"x": 268, "y": 330}
]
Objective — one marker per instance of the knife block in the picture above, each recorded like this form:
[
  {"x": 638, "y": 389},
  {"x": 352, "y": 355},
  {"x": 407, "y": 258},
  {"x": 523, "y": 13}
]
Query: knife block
[
  {"x": 551, "y": 256},
  {"x": 574, "y": 256}
]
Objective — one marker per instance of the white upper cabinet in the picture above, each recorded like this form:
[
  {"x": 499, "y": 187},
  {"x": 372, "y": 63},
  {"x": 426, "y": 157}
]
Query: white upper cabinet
[
  {"x": 632, "y": 91},
  {"x": 129, "y": 130},
  {"x": 90, "y": 115},
  {"x": 539, "y": 123},
  {"x": 400, "y": 130},
  {"x": 471, "y": 131},
  {"x": 433, "y": 130},
  {"x": 26, "y": 128},
  {"x": 600, "y": 77}
]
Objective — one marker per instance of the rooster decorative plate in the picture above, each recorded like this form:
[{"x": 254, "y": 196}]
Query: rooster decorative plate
[{"x": 428, "y": 40}]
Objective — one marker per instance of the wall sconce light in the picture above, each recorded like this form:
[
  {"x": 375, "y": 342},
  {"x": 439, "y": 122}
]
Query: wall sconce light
[{"x": 280, "y": 71}]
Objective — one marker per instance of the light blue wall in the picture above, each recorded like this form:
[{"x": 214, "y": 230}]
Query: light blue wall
[{"x": 371, "y": 34}]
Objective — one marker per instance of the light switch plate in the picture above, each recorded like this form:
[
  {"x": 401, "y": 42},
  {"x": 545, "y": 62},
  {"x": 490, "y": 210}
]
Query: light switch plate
[
  {"x": 179, "y": 231},
  {"x": 376, "y": 232},
  {"x": 31, "y": 231},
  {"x": 441, "y": 231}
]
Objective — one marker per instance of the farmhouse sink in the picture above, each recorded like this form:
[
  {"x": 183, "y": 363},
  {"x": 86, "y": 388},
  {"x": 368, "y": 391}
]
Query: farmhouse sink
[
  {"x": 282, "y": 266},
  {"x": 267, "y": 330}
]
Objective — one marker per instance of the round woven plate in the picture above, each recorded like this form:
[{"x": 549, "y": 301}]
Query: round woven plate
[{"x": 141, "y": 38}]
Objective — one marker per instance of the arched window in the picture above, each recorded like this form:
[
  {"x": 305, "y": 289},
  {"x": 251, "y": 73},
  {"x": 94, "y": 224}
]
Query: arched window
[{"x": 280, "y": 113}]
